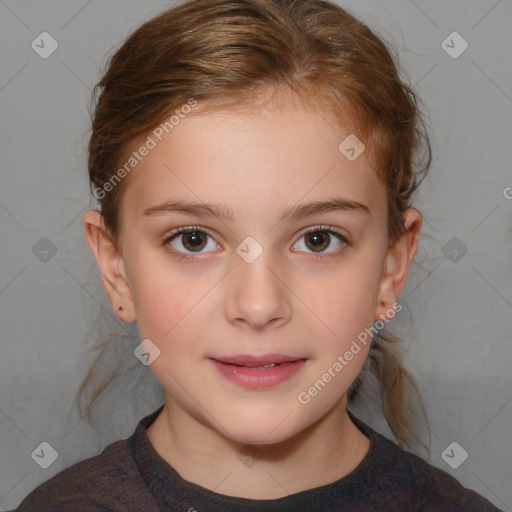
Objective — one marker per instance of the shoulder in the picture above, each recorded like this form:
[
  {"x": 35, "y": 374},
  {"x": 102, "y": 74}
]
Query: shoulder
[
  {"x": 97, "y": 483},
  {"x": 403, "y": 477},
  {"x": 434, "y": 489}
]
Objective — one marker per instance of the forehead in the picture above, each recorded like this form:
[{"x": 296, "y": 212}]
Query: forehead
[{"x": 254, "y": 161}]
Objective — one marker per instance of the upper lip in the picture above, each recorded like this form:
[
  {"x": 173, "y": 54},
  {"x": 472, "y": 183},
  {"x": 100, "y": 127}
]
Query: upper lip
[{"x": 248, "y": 360}]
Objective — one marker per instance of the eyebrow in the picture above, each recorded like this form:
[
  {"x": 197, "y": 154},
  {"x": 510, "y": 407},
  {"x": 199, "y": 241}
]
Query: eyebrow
[{"x": 296, "y": 212}]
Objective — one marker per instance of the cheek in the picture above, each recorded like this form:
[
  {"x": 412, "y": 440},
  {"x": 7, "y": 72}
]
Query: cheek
[
  {"x": 344, "y": 301},
  {"x": 172, "y": 307},
  {"x": 161, "y": 301}
]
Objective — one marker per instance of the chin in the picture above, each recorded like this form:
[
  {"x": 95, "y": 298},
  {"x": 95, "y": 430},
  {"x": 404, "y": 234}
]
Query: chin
[
  {"x": 261, "y": 428},
  {"x": 261, "y": 437}
]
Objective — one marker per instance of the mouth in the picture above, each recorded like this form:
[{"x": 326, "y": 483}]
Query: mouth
[
  {"x": 257, "y": 361},
  {"x": 258, "y": 372}
]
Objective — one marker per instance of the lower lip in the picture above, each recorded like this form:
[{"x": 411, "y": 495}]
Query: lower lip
[{"x": 259, "y": 378}]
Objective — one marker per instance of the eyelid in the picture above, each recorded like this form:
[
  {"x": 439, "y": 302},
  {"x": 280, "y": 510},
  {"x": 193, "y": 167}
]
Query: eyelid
[
  {"x": 185, "y": 229},
  {"x": 321, "y": 227}
]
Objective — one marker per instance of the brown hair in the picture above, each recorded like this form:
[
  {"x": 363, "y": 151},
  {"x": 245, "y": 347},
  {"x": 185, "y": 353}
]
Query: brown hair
[{"x": 222, "y": 53}]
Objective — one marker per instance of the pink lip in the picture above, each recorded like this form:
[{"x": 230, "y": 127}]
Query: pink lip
[
  {"x": 242, "y": 369},
  {"x": 248, "y": 360}
]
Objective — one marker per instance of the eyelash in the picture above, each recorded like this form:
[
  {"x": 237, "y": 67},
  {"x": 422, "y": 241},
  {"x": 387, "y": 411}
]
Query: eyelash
[{"x": 197, "y": 229}]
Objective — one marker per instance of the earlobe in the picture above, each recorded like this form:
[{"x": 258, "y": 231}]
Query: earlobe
[
  {"x": 397, "y": 263},
  {"x": 386, "y": 296},
  {"x": 111, "y": 265}
]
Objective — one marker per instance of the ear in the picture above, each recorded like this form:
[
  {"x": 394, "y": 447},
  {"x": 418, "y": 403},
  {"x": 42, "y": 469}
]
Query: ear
[
  {"x": 111, "y": 265},
  {"x": 397, "y": 263}
]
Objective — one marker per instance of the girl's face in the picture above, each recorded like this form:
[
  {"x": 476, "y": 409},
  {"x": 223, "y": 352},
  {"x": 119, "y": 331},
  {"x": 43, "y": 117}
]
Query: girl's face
[{"x": 247, "y": 283}]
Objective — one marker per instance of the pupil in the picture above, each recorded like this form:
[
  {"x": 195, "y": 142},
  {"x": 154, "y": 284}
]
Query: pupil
[
  {"x": 316, "y": 239},
  {"x": 193, "y": 239}
]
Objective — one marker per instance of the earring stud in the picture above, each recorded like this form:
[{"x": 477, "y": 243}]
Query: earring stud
[{"x": 121, "y": 307}]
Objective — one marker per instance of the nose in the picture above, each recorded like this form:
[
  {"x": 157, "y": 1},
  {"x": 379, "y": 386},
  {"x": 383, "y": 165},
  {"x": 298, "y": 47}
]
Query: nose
[{"x": 257, "y": 294}]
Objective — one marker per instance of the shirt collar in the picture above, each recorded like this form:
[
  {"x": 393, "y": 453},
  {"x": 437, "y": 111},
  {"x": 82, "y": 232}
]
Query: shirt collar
[{"x": 171, "y": 490}]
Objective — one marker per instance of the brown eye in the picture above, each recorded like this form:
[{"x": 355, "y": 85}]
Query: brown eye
[
  {"x": 194, "y": 240},
  {"x": 317, "y": 241},
  {"x": 319, "y": 238},
  {"x": 190, "y": 240}
]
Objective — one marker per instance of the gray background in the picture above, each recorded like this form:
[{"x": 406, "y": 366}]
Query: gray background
[{"x": 457, "y": 319}]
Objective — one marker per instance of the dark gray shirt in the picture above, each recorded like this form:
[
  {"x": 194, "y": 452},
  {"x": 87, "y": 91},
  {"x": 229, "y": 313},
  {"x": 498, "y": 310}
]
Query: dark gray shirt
[{"x": 130, "y": 475}]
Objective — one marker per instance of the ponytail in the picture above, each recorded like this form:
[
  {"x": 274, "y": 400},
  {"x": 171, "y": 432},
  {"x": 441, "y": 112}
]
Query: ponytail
[{"x": 399, "y": 393}]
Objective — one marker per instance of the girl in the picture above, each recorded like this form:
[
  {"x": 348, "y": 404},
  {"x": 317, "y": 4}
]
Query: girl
[{"x": 254, "y": 166}]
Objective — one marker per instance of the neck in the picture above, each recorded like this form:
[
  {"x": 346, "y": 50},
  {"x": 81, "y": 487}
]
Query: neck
[{"x": 324, "y": 452}]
